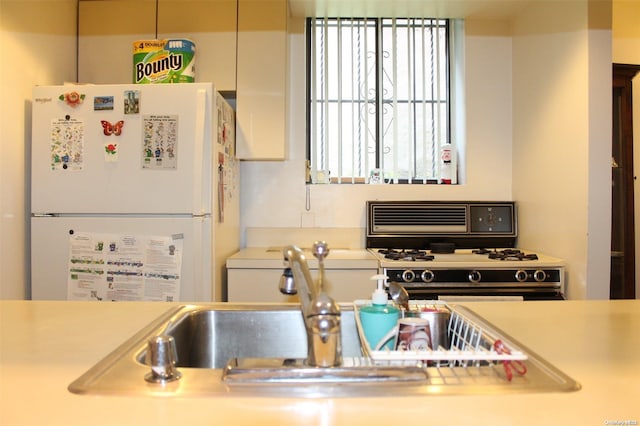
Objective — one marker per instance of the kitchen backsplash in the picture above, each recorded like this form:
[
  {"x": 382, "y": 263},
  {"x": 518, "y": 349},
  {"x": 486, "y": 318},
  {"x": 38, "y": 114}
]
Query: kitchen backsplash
[{"x": 338, "y": 238}]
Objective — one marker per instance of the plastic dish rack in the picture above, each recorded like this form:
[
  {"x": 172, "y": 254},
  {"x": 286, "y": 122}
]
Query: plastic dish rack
[{"x": 472, "y": 342}]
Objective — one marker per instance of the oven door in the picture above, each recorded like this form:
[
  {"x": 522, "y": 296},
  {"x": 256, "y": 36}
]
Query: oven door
[
  {"x": 531, "y": 283},
  {"x": 468, "y": 293}
]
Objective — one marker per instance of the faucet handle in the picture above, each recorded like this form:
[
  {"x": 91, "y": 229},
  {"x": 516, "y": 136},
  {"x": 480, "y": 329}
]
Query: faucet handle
[
  {"x": 320, "y": 250},
  {"x": 322, "y": 304}
]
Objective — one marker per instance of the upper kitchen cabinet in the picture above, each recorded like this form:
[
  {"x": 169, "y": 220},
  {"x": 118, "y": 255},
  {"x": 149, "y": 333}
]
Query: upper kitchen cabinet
[
  {"x": 261, "y": 79},
  {"x": 108, "y": 28},
  {"x": 211, "y": 24}
]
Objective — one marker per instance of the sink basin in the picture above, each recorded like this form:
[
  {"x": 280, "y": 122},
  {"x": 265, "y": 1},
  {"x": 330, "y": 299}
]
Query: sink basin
[
  {"x": 209, "y": 338},
  {"x": 219, "y": 346}
]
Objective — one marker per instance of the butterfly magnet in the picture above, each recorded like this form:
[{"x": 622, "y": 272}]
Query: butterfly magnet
[{"x": 112, "y": 129}]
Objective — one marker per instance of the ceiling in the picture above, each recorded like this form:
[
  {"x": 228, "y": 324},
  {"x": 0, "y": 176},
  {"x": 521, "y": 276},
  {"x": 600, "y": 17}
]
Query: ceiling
[{"x": 486, "y": 9}]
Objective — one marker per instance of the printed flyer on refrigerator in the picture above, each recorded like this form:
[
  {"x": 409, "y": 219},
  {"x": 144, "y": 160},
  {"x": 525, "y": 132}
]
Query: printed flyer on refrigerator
[{"x": 113, "y": 267}]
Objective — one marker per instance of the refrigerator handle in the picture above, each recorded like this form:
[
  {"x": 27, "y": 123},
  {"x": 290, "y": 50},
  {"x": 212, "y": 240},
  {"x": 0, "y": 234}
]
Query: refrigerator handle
[{"x": 200, "y": 144}]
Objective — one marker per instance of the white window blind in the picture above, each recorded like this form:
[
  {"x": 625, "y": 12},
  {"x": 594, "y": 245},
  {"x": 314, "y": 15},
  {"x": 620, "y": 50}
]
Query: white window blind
[{"x": 378, "y": 100}]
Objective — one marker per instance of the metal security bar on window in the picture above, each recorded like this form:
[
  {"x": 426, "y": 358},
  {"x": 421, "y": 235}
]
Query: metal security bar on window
[{"x": 378, "y": 99}]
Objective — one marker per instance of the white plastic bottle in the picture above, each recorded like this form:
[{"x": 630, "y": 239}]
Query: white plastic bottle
[{"x": 446, "y": 164}]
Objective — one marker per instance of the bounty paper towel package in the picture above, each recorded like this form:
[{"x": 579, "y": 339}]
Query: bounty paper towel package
[{"x": 164, "y": 61}]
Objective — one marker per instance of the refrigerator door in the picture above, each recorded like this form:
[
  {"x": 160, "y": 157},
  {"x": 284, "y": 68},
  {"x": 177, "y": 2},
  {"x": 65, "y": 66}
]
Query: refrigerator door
[
  {"x": 123, "y": 149},
  {"x": 50, "y": 245}
]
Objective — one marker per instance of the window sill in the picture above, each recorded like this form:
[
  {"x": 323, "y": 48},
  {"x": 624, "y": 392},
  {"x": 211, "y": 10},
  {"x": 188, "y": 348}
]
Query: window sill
[{"x": 363, "y": 181}]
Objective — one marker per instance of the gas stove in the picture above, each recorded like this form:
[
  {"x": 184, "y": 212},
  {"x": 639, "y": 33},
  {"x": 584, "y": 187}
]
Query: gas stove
[
  {"x": 499, "y": 257},
  {"x": 443, "y": 249}
]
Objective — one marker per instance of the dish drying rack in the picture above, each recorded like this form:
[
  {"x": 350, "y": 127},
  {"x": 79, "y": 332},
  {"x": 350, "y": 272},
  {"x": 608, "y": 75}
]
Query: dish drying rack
[{"x": 472, "y": 343}]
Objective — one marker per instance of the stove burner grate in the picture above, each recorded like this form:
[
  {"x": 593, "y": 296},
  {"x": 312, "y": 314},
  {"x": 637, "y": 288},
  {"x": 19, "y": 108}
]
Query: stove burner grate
[
  {"x": 410, "y": 255},
  {"x": 507, "y": 254}
]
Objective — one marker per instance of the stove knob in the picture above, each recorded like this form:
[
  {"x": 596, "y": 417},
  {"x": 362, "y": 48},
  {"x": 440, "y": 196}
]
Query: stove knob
[
  {"x": 539, "y": 275},
  {"x": 521, "y": 275},
  {"x": 475, "y": 276},
  {"x": 427, "y": 276},
  {"x": 408, "y": 276}
]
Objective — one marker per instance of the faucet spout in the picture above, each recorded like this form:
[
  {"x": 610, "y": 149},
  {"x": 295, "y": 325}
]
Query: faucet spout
[{"x": 320, "y": 312}]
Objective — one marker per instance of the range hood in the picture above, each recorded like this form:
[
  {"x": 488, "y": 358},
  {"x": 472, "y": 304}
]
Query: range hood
[{"x": 418, "y": 224}]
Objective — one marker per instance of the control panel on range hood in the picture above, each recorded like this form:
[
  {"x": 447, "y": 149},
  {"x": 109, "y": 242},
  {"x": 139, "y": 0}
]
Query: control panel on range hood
[{"x": 417, "y": 224}]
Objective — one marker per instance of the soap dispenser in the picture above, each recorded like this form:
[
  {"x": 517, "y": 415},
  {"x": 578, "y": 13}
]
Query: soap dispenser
[{"x": 380, "y": 316}]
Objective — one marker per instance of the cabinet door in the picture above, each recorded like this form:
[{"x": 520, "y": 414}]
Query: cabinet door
[
  {"x": 261, "y": 79},
  {"x": 211, "y": 25},
  {"x": 256, "y": 285},
  {"x": 107, "y": 30},
  {"x": 261, "y": 285}
]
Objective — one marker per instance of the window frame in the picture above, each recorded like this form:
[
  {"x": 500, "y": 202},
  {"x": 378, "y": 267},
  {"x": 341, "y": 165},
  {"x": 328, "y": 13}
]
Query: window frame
[{"x": 379, "y": 103}]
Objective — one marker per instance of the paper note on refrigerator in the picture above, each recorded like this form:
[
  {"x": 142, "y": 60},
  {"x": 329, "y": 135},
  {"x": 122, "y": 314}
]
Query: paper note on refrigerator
[
  {"x": 114, "y": 267},
  {"x": 160, "y": 142},
  {"x": 67, "y": 144}
]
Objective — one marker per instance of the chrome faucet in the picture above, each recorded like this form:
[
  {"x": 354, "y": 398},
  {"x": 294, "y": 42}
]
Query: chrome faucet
[{"x": 320, "y": 312}]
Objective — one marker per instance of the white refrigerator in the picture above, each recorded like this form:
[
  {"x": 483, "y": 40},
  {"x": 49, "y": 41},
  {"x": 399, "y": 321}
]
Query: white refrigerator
[{"x": 134, "y": 192}]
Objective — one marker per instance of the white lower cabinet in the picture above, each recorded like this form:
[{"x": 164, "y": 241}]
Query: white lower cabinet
[{"x": 261, "y": 285}]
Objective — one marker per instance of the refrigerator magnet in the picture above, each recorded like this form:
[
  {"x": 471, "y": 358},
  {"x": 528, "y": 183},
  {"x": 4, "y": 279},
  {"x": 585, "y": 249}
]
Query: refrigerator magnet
[
  {"x": 73, "y": 99},
  {"x": 103, "y": 103},
  {"x": 110, "y": 152},
  {"x": 112, "y": 129},
  {"x": 131, "y": 101}
]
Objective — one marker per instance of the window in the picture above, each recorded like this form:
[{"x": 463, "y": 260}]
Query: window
[{"x": 378, "y": 100}]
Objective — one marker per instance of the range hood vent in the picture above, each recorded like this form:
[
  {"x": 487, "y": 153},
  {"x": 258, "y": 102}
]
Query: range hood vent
[{"x": 419, "y": 219}]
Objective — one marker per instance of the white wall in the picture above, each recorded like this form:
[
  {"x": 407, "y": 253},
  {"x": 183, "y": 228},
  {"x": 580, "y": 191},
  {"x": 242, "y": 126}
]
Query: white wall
[
  {"x": 274, "y": 193},
  {"x": 38, "y": 47},
  {"x": 562, "y": 140}
]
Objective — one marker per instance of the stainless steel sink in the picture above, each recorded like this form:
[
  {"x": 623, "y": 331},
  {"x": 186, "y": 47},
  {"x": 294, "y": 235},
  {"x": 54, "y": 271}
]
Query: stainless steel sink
[
  {"x": 208, "y": 338},
  {"x": 213, "y": 339}
]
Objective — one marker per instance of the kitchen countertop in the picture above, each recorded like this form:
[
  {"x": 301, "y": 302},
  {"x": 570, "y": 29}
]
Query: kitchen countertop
[
  {"x": 271, "y": 257},
  {"x": 44, "y": 346}
]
